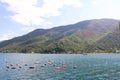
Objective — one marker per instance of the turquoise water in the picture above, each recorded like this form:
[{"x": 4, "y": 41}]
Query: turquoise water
[{"x": 77, "y": 67}]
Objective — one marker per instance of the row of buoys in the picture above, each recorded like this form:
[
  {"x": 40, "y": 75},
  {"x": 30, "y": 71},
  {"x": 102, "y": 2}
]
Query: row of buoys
[
  {"x": 11, "y": 66},
  {"x": 56, "y": 67}
]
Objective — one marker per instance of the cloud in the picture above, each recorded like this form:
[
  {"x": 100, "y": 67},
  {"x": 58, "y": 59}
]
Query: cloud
[
  {"x": 8, "y": 36},
  {"x": 28, "y": 29},
  {"x": 109, "y": 3},
  {"x": 95, "y": 2},
  {"x": 29, "y": 12}
]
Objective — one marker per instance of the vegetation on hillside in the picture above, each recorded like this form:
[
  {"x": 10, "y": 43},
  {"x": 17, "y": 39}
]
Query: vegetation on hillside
[{"x": 90, "y": 36}]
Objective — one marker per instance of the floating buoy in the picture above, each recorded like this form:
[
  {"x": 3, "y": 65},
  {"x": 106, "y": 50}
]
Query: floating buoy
[
  {"x": 42, "y": 65},
  {"x": 7, "y": 67},
  {"x": 26, "y": 65},
  {"x": 54, "y": 65},
  {"x": 20, "y": 67}
]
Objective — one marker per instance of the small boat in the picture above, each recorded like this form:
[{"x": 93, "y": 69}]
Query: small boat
[
  {"x": 75, "y": 67},
  {"x": 13, "y": 68},
  {"x": 31, "y": 67},
  {"x": 49, "y": 62},
  {"x": 37, "y": 62},
  {"x": 63, "y": 66},
  {"x": 57, "y": 68}
]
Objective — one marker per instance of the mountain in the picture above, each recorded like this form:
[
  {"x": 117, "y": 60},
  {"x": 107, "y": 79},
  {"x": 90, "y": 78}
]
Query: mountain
[
  {"x": 97, "y": 35},
  {"x": 110, "y": 43}
]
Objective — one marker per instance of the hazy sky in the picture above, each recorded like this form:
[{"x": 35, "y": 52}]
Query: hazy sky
[{"x": 18, "y": 17}]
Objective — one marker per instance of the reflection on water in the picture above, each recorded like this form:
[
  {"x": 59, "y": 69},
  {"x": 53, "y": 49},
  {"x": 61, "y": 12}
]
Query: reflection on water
[{"x": 59, "y": 67}]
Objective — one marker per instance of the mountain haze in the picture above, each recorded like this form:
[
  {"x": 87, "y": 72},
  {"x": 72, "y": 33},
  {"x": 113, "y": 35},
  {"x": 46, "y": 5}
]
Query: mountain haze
[{"x": 97, "y": 35}]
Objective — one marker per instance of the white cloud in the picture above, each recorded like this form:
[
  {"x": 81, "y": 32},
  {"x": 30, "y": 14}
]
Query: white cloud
[
  {"x": 109, "y": 3},
  {"x": 27, "y": 12},
  {"x": 95, "y": 2},
  {"x": 28, "y": 29},
  {"x": 8, "y": 36},
  {"x": 105, "y": 9}
]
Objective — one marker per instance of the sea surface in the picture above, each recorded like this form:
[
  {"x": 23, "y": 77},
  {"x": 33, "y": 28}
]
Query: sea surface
[{"x": 59, "y": 66}]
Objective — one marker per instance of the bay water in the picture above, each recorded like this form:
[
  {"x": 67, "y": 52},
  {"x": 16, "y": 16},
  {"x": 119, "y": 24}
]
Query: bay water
[{"x": 14, "y": 66}]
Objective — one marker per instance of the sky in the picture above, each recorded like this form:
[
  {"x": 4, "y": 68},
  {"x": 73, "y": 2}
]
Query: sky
[{"x": 19, "y": 17}]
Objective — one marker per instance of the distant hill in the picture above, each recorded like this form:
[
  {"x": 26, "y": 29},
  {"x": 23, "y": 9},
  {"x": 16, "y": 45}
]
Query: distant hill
[{"x": 97, "y": 35}]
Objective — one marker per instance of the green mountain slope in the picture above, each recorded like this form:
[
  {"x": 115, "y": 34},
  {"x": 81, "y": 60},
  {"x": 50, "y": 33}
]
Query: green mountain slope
[
  {"x": 109, "y": 43},
  {"x": 85, "y": 36}
]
